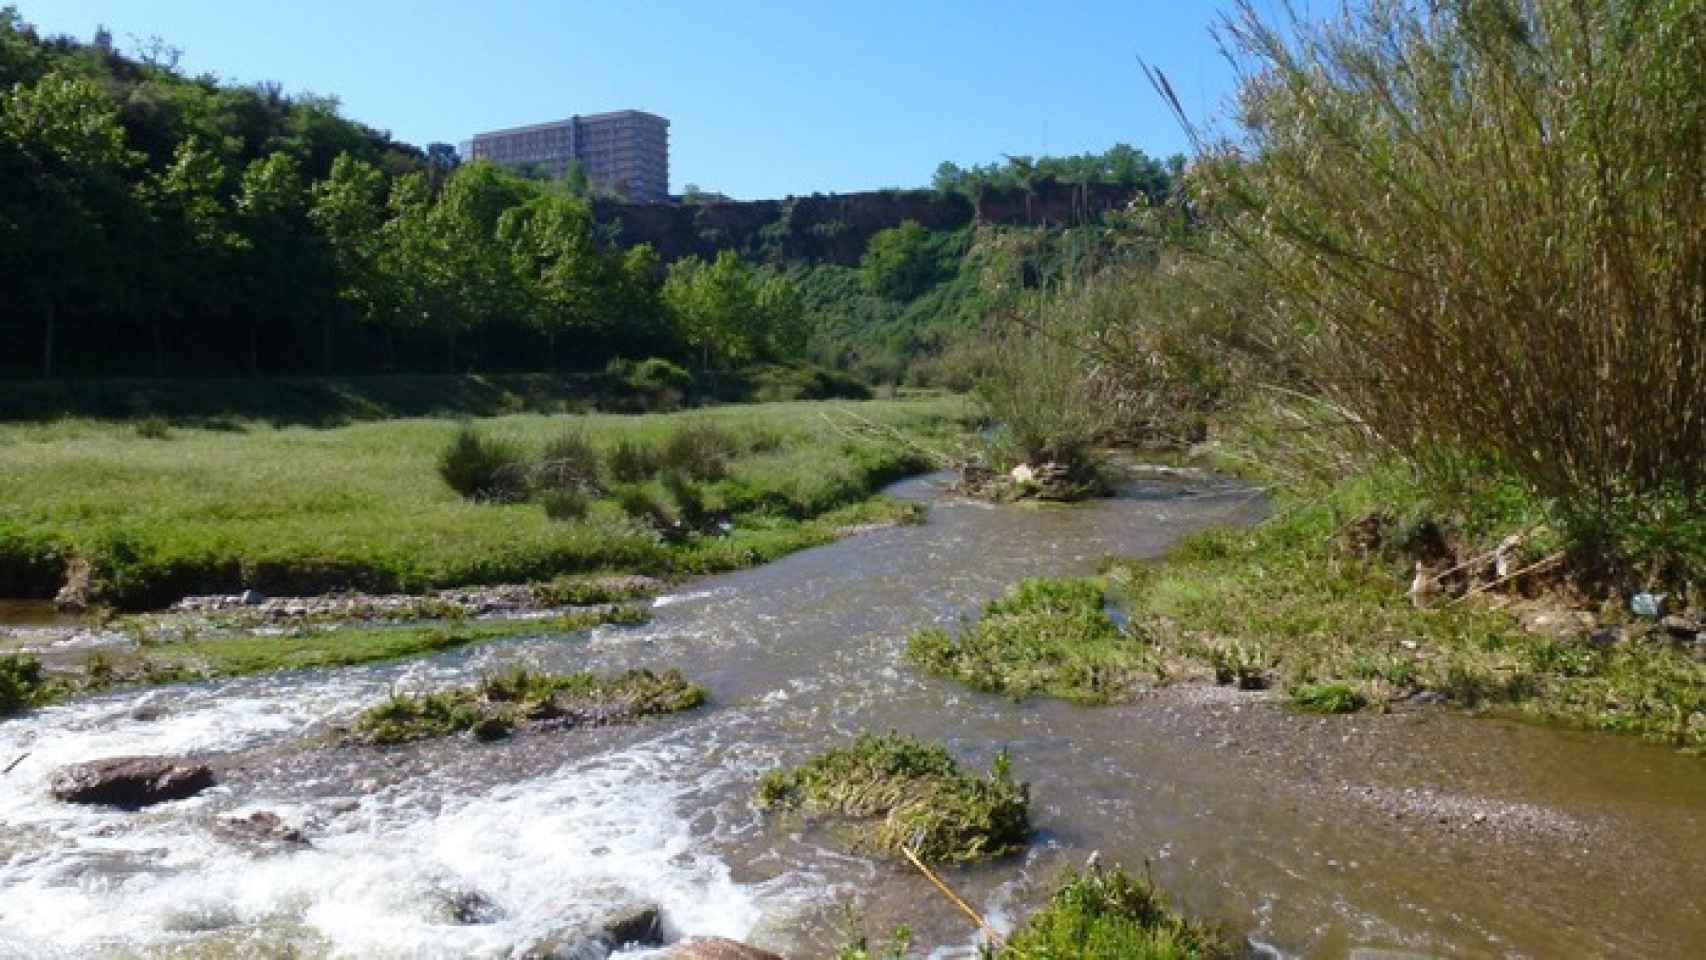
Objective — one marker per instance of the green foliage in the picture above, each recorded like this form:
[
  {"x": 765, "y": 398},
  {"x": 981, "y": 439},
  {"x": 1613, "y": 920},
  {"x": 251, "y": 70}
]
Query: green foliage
[
  {"x": 656, "y": 374},
  {"x": 569, "y": 463},
  {"x": 1099, "y": 914},
  {"x": 631, "y": 461},
  {"x": 566, "y": 503},
  {"x": 493, "y": 708},
  {"x": 1048, "y": 637},
  {"x": 1120, "y": 164},
  {"x": 154, "y": 428},
  {"x": 484, "y": 468},
  {"x": 583, "y": 591},
  {"x": 22, "y": 684},
  {"x": 700, "y": 449},
  {"x": 1327, "y": 698},
  {"x": 898, "y": 263},
  {"x": 908, "y": 793},
  {"x": 1035, "y": 391}
]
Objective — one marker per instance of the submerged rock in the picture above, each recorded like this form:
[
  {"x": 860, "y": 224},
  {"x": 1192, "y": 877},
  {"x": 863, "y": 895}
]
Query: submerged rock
[
  {"x": 131, "y": 782},
  {"x": 637, "y": 926},
  {"x": 263, "y": 830},
  {"x": 718, "y": 948}
]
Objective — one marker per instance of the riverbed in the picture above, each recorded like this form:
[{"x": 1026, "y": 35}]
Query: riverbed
[{"x": 1422, "y": 832}]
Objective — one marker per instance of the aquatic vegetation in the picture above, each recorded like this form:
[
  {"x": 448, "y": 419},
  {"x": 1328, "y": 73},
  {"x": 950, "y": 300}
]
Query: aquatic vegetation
[
  {"x": 1043, "y": 636},
  {"x": 580, "y": 591},
  {"x": 1108, "y": 914},
  {"x": 899, "y": 791},
  {"x": 492, "y": 708}
]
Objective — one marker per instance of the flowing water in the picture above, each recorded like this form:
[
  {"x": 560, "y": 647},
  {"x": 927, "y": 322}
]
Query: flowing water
[{"x": 1424, "y": 833}]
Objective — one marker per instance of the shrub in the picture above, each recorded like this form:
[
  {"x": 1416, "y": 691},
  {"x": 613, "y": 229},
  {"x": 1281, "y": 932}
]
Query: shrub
[
  {"x": 482, "y": 468},
  {"x": 1484, "y": 225},
  {"x": 569, "y": 461},
  {"x": 153, "y": 428},
  {"x": 21, "y": 683},
  {"x": 630, "y": 461},
  {"x": 1036, "y": 393},
  {"x": 642, "y": 504},
  {"x": 909, "y": 793},
  {"x": 566, "y": 503},
  {"x": 689, "y": 501},
  {"x": 1327, "y": 698},
  {"x": 701, "y": 450},
  {"x": 657, "y": 374}
]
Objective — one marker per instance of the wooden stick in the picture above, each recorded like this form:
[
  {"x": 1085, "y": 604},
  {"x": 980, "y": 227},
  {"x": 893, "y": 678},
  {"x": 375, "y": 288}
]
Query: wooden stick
[
  {"x": 1548, "y": 562},
  {"x": 929, "y": 874},
  {"x": 14, "y": 764}
]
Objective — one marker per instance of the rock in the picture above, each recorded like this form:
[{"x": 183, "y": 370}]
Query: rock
[
  {"x": 1602, "y": 638},
  {"x": 252, "y": 598},
  {"x": 491, "y": 728},
  {"x": 717, "y": 948},
  {"x": 470, "y": 908},
  {"x": 148, "y": 712},
  {"x": 1647, "y": 605},
  {"x": 73, "y": 597},
  {"x": 1682, "y": 628},
  {"x": 131, "y": 782},
  {"x": 640, "y": 926},
  {"x": 1023, "y": 473},
  {"x": 263, "y": 829}
]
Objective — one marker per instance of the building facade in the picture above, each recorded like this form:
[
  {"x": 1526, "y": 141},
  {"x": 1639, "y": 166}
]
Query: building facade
[{"x": 626, "y": 151}]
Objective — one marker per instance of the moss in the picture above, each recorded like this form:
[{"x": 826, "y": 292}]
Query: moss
[
  {"x": 899, "y": 791},
  {"x": 1050, "y": 637},
  {"x": 1109, "y": 915},
  {"x": 492, "y": 709}
]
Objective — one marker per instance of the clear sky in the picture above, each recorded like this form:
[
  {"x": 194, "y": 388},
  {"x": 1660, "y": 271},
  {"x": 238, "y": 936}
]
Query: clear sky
[{"x": 764, "y": 98}]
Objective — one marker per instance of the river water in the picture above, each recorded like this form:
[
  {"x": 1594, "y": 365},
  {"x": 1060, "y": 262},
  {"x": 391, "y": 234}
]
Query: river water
[{"x": 1422, "y": 833}]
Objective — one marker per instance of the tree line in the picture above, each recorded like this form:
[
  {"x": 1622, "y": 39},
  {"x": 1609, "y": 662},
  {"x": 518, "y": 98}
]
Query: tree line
[{"x": 156, "y": 223}]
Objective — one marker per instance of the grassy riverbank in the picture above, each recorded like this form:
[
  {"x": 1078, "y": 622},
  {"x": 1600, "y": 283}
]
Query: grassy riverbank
[
  {"x": 1323, "y": 601},
  {"x": 299, "y": 510}
]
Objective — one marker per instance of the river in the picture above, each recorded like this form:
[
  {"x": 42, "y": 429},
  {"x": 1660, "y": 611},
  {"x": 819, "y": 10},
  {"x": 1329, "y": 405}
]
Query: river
[{"x": 1417, "y": 833}]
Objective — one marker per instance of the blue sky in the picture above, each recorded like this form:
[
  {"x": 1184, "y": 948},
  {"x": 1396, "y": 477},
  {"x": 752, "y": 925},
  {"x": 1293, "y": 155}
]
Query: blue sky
[{"x": 764, "y": 98}]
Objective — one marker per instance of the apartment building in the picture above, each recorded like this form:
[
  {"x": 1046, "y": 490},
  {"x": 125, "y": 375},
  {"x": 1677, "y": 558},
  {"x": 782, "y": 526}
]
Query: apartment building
[{"x": 626, "y": 151}]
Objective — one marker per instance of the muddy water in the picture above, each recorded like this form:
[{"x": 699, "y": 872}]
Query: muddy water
[{"x": 1420, "y": 832}]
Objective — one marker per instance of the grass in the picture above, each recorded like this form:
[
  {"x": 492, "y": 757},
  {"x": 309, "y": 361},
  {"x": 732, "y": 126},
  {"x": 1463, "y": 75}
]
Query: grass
[
  {"x": 1049, "y": 637},
  {"x": 1102, "y": 914},
  {"x": 585, "y": 591},
  {"x": 296, "y": 510},
  {"x": 233, "y": 654},
  {"x": 1318, "y": 597},
  {"x": 497, "y": 704},
  {"x": 900, "y": 791}
]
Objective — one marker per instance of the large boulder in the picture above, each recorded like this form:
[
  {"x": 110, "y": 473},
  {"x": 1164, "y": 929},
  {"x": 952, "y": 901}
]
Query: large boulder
[
  {"x": 131, "y": 782},
  {"x": 717, "y": 948}
]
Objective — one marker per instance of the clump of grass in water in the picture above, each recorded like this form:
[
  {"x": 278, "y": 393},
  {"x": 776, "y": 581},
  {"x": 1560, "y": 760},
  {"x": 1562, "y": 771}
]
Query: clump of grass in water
[
  {"x": 493, "y": 707},
  {"x": 1327, "y": 698},
  {"x": 908, "y": 793},
  {"x": 584, "y": 591},
  {"x": 22, "y": 684},
  {"x": 1044, "y": 636},
  {"x": 1102, "y": 914}
]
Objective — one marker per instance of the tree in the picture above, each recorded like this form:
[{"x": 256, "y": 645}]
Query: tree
[
  {"x": 278, "y": 256},
  {"x": 716, "y": 308},
  {"x": 898, "y": 262},
  {"x": 564, "y": 278},
  {"x": 65, "y": 205},
  {"x": 195, "y": 245},
  {"x": 349, "y": 211},
  {"x": 786, "y": 329}
]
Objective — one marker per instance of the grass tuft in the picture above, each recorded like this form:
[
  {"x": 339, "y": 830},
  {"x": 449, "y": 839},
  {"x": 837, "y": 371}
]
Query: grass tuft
[
  {"x": 1102, "y": 914},
  {"x": 483, "y": 468},
  {"x": 22, "y": 684},
  {"x": 492, "y": 709},
  {"x": 903, "y": 791},
  {"x": 1043, "y": 636}
]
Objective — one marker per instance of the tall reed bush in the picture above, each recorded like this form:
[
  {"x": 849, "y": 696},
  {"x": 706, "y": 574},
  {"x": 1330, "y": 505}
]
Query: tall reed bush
[{"x": 1483, "y": 223}]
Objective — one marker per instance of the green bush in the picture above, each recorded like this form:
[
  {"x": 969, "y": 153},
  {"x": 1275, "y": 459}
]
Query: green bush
[
  {"x": 154, "y": 428},
  {"x": 569, "y": 462},
  {"x": 700, "y": 450},
  {"x": 566, "y": 503},
  {"x": 631, "y": 461},
  {"x": 657, "y": 374},
  {"x": 482, "y": 468},
  {"x": 21, "y": 683}
]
